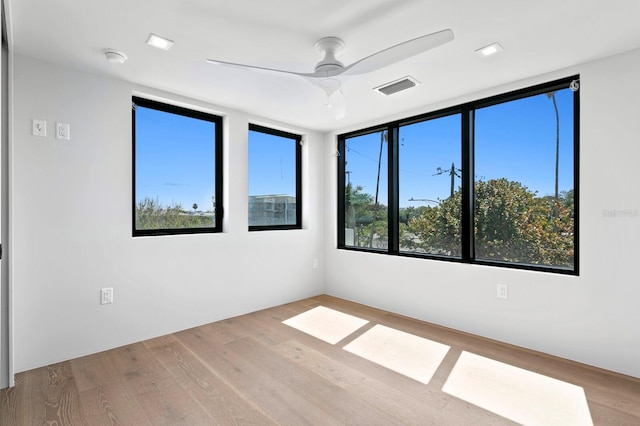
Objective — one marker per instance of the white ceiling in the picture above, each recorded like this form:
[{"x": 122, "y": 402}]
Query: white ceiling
[{"x": 538, "y": 37}]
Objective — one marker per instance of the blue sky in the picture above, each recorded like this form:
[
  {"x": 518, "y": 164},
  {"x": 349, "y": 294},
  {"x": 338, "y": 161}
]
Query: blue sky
[
  {"x": 272, "y": 164},
  {"x": 175, "y": 160},
  {"x": 175, "y": 155},
  {"x": 515, "y": 140}
]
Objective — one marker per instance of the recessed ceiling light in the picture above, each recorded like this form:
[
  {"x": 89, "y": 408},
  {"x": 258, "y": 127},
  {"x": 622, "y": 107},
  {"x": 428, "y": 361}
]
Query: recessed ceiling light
[
  {"x": 489, "y": 50},
  {"x": 159, "y": 42},
  {"x": 115, "y": 56}
]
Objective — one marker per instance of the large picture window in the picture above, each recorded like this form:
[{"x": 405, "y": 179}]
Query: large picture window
[
  {"x": 491, "y": 182},
  {"x": 177, "y": 170},
  {"x": 274, "y": 179}
]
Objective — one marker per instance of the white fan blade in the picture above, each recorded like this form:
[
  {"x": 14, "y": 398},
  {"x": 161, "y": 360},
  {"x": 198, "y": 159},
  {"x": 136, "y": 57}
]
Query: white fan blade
[
  {"x": 231, "y": 64},
  {"x": 398, "y": 52}
]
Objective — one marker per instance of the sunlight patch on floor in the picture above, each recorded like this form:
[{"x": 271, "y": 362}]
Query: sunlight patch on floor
[
  {"x": 520, "y": 395},
  {"x": 326, "y": 324},
  {"x": 404, "y": 353}
]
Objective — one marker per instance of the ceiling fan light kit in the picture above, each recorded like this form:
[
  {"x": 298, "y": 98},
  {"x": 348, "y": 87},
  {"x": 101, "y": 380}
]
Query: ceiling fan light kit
[
  {"x": 330, "y": 67},
  {"x": 335, "y": 98},
  {"x": 337, "y": 103}
]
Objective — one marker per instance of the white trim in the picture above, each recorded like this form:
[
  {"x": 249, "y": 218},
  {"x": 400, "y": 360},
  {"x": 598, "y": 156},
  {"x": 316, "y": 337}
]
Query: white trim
[{"x": 9, "y": 245}]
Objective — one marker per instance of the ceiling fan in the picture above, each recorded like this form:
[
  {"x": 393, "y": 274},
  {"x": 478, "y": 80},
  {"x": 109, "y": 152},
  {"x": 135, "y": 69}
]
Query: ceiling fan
[{"x": 330, "y": 67}]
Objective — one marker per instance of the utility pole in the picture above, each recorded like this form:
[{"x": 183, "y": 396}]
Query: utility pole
[
  {"x": 552, "y": 96},
  {"x": 453, "y": 172},
  {"x": 383, "y": 138}
]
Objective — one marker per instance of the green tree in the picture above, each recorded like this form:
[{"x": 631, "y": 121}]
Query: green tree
[
  {"x": 511, "y": 224},
  {"x": 151, "y": 214},
  {"x": 436, "y": 230},
  {"x": 365, "y": 217}
]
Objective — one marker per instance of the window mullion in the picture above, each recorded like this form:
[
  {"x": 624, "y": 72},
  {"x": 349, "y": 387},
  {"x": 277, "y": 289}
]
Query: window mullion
[
  {"x": 341, "y": 192},
  {"x": 299, "y": 180},
  {"x": 393, "y": 202},
  {"x": 467, "y": 214}
]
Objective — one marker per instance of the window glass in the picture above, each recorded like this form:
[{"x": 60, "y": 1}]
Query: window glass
[
  {"x": 175, "y": 183},
  {"x": 524, "y": 186},
  {"x": 429, "y": 186},
  {"x": 366, "y": 191},
  {"x": 274, "y": 179},
  {"x": 491, "y": 182}
]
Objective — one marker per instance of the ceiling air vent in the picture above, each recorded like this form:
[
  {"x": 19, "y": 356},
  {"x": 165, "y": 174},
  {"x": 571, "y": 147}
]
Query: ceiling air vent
[{"x": 397, "y": 86}]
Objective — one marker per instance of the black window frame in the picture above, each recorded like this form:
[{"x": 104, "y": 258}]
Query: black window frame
[
  {"x": 467, "y": 112},
  {"x": 218, "y": 173},
  {"x": 297, "y": 139}
]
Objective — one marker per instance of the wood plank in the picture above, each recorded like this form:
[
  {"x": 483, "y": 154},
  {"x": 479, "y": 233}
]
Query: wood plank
[
  {"x": 159, "y": 341},
  {"x": 220, "y": 399},
  {"x": 46, "y": 395},
  {"x": 112, "y": 404},
  {"x": 604, "y": 415},
  {"x": 12, "y": 403},
  {"x": 279, "y": 402},
  {"x": 156, "y": 390},
  {"x": 404, "y": 407},
  {"x": 324, "y": 395},
  {"x": 94, "y": 370}
]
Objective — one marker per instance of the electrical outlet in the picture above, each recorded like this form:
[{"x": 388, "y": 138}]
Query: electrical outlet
[
  {"x": 106, "y": 296},
  {"x": 315, "y": 263},
  {"x": 63, "y": 131},
  {"x": 502, "y": 291}
]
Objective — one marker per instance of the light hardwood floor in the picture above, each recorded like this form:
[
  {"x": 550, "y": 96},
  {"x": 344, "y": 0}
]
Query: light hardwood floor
[{"x": 254, "y": 370}]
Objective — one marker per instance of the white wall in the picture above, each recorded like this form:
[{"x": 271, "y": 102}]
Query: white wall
[
  {"x": 72, "y": 228},
  {"x": 593, "y": 318}
]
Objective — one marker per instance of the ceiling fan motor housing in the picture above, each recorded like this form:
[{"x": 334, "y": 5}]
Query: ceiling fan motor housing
[{"x": 330, "y": 46}]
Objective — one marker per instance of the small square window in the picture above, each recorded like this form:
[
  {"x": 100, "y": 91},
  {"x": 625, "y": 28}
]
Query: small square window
[{"x": 177, "y": 170}]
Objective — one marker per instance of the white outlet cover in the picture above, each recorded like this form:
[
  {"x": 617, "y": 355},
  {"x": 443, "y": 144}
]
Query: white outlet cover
[
  {"x": 106, "y": 296},
  {"x": 63, "y": 131},
  {"x": 502, "y": 291}
]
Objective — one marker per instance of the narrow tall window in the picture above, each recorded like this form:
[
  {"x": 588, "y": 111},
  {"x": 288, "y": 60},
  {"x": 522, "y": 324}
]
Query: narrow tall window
[
  {"x": 275, "y": 200},
  {"x": 429, "y": 176},
  {"x": 177, "y": 170},
  {"x": 366, "y": 190}
]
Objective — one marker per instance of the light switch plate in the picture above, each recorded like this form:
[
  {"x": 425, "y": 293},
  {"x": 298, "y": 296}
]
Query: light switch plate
[{"x": 39, "y": 128}]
